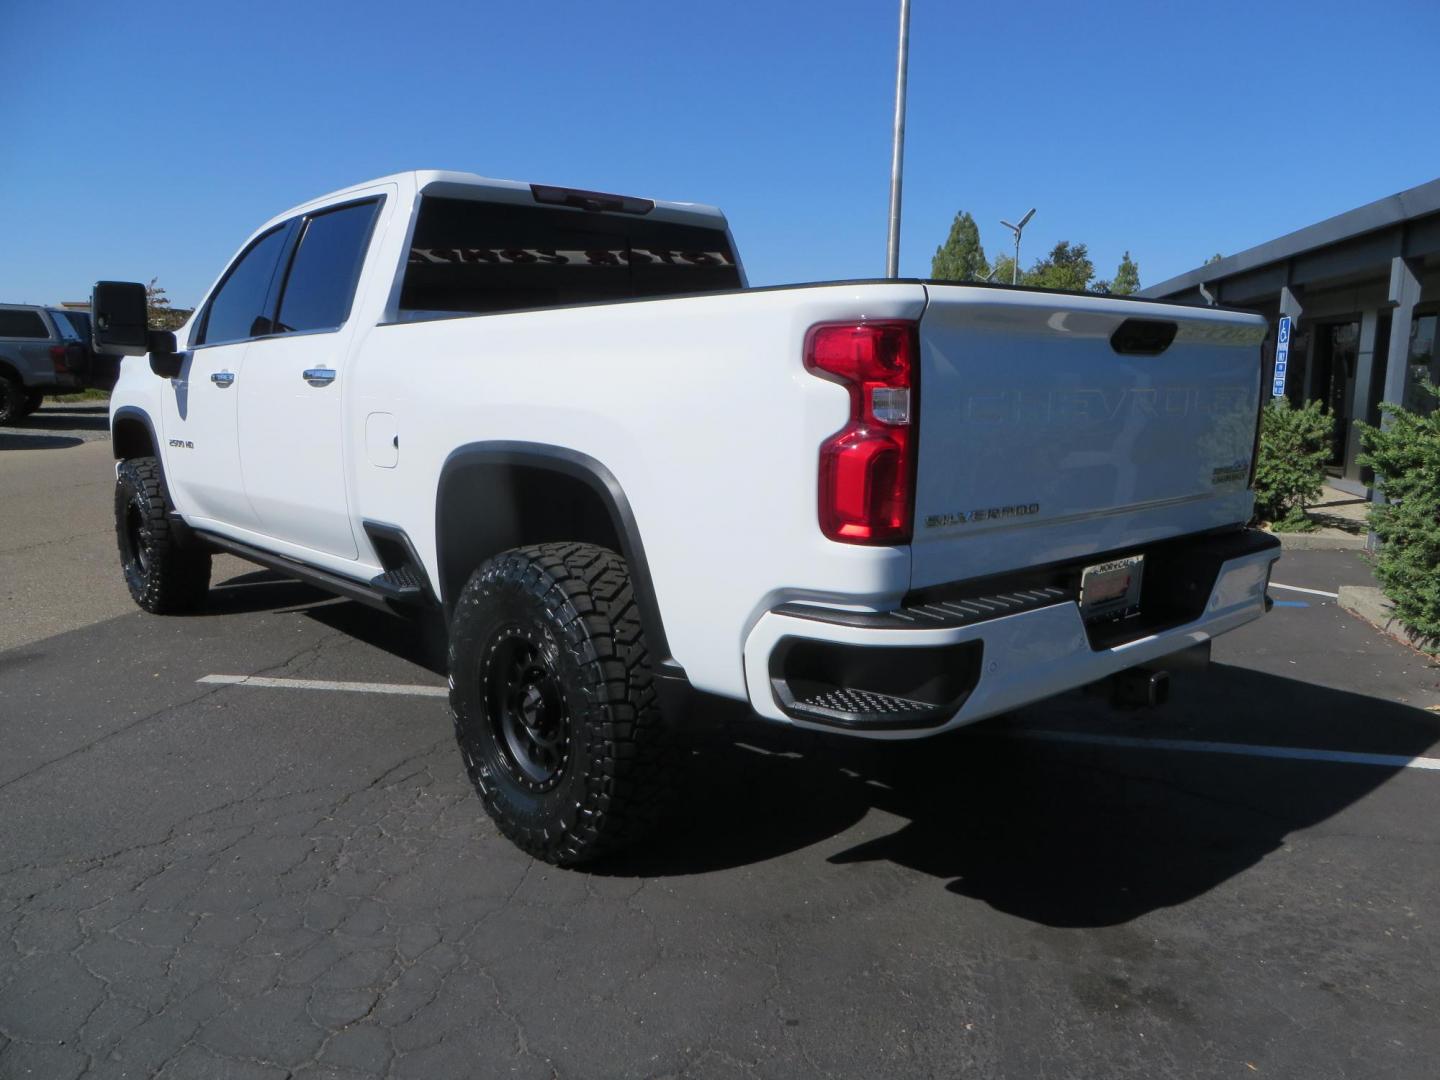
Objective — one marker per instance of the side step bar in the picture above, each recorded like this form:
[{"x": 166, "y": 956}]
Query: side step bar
[
  {"x": 404, "y": 582},
  {"x": 349, "y": 588}
]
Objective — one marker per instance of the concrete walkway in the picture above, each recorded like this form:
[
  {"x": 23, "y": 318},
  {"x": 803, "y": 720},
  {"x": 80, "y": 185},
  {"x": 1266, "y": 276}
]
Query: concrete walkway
[{"x": 1341, "y": 512}]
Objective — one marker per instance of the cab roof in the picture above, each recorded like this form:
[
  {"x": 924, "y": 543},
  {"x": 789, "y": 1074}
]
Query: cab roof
[{"x": 464, "y": 185}]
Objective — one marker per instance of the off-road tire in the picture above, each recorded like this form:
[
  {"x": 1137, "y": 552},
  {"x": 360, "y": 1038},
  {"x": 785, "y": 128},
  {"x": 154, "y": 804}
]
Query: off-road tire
[
  {"x": 611, "y": 766},
  {"x": 164, "y": 576},
  {"x": 12, "y": 400}
]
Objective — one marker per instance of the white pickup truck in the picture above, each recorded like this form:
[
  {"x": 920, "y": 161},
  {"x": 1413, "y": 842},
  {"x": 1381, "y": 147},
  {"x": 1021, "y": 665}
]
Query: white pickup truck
[{"x": 561, "y": 419}]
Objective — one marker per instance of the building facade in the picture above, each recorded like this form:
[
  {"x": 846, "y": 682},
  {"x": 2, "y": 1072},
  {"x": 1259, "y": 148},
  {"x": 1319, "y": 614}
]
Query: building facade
[{"x": 1362, "y": 291}]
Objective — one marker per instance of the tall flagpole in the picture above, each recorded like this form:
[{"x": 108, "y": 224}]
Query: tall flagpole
[{"x": 897, "y": 154}]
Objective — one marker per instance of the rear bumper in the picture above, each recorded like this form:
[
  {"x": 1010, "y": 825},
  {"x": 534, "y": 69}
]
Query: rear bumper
[{"x": 943, "y": 663}]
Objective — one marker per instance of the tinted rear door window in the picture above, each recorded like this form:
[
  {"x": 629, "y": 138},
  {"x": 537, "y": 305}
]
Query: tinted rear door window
[
  {"x": 238, "y": 310},
  {"x": 22, "y": 324},
  {"x": 469, "y": 256},
  {"x": 321, "y": 285}
]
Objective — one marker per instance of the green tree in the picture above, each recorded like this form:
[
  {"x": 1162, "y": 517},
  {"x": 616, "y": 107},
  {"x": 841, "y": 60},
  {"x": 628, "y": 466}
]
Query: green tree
[
  {"x": 1068, "y": 266},
  {"x": 1127, "y": 278},
  {"x": 162, "y": 315},
  {"x": 1002, "y": 268},
  {"x": 960, "y": 258}
]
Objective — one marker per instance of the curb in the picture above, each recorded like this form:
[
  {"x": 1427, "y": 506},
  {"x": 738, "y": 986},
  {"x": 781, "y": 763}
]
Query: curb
[
  {"x": 1311, "y": 542},
  {"x": 1370, "y": 604}
]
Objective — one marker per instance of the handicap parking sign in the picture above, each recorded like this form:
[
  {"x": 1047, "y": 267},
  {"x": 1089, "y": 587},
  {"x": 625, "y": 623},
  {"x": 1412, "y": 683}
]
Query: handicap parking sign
[{"x": 1282, "y": 357}]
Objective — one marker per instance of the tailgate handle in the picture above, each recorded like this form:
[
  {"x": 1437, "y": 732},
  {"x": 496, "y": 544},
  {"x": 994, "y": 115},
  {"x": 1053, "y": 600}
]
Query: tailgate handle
[{"x": 1143, "y": 337}]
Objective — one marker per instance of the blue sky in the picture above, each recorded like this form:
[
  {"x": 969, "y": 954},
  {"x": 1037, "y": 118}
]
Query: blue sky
[{"x": 148, "y": 140}]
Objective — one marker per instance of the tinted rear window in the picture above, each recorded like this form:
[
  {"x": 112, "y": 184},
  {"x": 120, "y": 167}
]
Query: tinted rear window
[
  {"x": 22, "y": 324},
  {"x": 469, "y": 256}
]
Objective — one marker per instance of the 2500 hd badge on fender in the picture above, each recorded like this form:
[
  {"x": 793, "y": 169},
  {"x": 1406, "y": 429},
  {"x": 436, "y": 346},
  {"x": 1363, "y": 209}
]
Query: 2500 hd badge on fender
[{"x": 560, "y": 419}]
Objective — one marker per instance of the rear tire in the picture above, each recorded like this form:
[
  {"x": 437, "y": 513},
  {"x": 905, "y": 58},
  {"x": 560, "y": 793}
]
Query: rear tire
[
  {"x": 12, "y": 400},
  {"x": 164, "y": 577},
  {"x": 554, "y": 702},
  {"x": 33, "y": 400}
]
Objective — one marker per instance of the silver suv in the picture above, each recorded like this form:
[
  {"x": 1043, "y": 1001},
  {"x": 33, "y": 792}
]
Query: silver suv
[{"x": 42, "y": 351}]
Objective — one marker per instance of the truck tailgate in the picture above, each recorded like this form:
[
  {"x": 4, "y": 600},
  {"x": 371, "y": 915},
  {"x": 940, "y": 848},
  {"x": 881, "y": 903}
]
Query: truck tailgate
[{"x": 1043, "y": 441}]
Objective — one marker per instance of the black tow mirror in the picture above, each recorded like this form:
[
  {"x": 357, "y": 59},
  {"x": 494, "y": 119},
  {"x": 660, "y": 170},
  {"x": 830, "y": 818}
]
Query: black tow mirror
[
  {"x": 120, "y": 323},
  {"x": 119, "y": 318}
]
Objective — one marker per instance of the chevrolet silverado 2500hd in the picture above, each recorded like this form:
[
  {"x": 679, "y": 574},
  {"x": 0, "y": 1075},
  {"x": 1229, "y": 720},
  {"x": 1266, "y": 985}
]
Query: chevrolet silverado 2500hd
[{"x": 561, "y": 419}]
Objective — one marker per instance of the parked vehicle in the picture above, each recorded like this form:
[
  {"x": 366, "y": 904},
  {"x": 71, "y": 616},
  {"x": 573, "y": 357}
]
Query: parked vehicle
[
  {"x": 41, "y": 352},
  {"x": 561, "y": 419}
]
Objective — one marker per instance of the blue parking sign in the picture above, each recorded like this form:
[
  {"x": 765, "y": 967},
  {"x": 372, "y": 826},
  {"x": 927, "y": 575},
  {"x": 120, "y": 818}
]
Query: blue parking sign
[{"x": 1282, "y": 357}]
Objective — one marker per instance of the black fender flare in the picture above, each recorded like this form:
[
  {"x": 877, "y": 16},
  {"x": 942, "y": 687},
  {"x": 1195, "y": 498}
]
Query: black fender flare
[
  {"x": 129, "y": 413},
  {"x": 574, "y": 466}
]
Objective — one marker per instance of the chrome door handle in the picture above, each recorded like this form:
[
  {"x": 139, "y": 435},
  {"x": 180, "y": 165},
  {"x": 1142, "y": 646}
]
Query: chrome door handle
[
  {"x": 318, "y": 376},
  {"x": 222, "y": 379}
]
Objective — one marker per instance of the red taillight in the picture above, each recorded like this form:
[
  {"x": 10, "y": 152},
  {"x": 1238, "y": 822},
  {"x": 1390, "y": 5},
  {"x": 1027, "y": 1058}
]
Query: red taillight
[
  {"x": 57, "y": 359},
  {"x": 867, "y": 468}
]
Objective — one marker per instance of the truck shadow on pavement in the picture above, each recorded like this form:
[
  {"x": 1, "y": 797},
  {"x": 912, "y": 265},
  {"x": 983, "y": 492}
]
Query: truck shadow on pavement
[
  {"x": 420, "y": 639},
  {"x": 1058, "y": 834},
  {"x": 12, "y": 439}
]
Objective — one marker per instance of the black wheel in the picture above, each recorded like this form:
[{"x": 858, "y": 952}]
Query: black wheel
[
  {"x": 555, "y": 709},
  {"x": 164, "y": 577},
  {"x": 33, "y": 400},
  {"x": 12, "y": 400}
]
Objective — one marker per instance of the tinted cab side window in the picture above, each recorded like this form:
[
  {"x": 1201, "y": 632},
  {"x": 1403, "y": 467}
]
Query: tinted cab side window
[
  {"x": 238, "y": 309},
  {"x": 320, "y": 286}
]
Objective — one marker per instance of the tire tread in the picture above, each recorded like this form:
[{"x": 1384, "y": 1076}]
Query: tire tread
[
  {"x": 587, "y": 592},
  {"x": 178, "y": 579}
]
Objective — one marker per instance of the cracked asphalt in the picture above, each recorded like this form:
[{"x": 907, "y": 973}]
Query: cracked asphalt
[{"x": 201, "y": 880}]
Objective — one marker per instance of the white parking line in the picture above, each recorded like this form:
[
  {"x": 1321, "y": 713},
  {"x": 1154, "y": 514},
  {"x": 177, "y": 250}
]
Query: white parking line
[
  {"x": 1195, "y": 746},
  {"x": 1312, "y": 592},
  {"x": 1188, "y": 746},
  {"x": 410, "y": 689}
]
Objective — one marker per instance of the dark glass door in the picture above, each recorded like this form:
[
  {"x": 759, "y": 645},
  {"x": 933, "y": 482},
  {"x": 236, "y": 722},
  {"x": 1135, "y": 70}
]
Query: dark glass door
[{"x": 1336, "y": 354}]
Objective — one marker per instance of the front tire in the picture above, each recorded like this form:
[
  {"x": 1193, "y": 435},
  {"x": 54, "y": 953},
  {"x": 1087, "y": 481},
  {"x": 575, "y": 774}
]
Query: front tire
[
  {"x": 164, "y": 577},
  {"x": 554, "y": 702}
]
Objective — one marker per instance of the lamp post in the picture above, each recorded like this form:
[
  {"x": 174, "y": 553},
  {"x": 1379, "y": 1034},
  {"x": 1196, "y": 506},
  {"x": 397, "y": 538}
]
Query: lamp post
[
  {"x": 1017, "y": 229},
  {"x": 897, "y": 150}
]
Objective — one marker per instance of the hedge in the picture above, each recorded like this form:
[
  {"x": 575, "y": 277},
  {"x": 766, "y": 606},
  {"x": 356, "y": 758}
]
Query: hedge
[
  {"x": 1405, "y": 455},
  {"x": 1294, "y": 447}
]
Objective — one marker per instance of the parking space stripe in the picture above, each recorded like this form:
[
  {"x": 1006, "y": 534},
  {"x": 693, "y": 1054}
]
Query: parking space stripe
[
  {"x": 1124, "y": 742},
  {"x": 1195, "y": 746},
  {"x": 404, "y": 689},
  {"x": 1312, "y": 592}
]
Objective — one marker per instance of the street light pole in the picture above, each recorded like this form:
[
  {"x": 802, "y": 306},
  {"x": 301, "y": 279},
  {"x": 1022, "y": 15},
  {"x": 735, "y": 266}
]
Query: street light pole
[
  {"x": 1016, "y": 229},
  {"x": 897, "y": 151}
]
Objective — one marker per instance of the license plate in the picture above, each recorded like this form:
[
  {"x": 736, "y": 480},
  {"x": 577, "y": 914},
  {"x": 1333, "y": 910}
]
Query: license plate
[{"x": 1111, "y": 589}]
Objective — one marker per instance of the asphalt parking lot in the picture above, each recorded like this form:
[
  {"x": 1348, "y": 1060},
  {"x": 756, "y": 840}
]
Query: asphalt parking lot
[{"x": 292, "y": 878}]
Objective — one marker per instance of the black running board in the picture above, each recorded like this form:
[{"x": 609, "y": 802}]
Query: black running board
[{"x": 349, "y": 588}]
